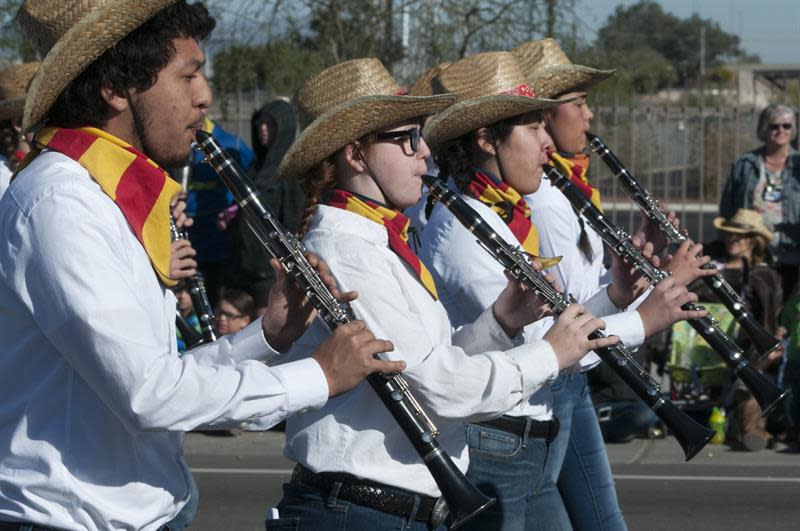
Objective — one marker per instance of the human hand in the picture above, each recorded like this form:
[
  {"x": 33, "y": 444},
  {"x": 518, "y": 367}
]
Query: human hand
[
  {"x": 627, "y": 281},
  {"x": 569, "y": 335},
  {"x": 289, "y": 311},
  {"x": 651, "y": 232},
  {"x": 517, "y": 306},
  {"x": 348, "y": 356},
  {"x": 686, "y": 265},
  {"x": 225, "y": 217},
  {"x": 662, "y": 307},
  {"x": 181, "y": 260},
  {"x": 178, "y": 207}
]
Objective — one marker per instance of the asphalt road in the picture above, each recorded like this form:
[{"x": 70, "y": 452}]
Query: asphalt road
[{"x": 720, "y": 490}]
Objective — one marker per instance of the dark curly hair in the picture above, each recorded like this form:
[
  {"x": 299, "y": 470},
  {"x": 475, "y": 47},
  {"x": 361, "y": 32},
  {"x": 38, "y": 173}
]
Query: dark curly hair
[{"x": 133, "y": 63}]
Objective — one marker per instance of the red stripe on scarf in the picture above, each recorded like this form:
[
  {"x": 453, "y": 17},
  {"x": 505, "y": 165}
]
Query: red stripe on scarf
[{"x": 136, "y": 198}]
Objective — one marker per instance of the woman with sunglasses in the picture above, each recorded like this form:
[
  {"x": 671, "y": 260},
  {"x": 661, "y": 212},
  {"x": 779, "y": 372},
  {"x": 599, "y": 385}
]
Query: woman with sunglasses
[
  {"x": 359, "y": 159},
  {"x": 767, "y": 180}
]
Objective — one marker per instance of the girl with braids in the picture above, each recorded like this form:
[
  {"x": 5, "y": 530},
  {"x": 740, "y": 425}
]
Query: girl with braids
[
  {"x": 492, "y": 145},
  {"x": 359, "y": 159}
]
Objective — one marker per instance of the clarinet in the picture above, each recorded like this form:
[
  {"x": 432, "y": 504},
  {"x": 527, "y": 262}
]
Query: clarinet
[
  {"x": 197, "y": 291},
  {"x": 763, "y": 341},
  {"x": 690, "y": 435},
  {"x": 463, "y": 499},
  {"x": 767, "y": 394}
]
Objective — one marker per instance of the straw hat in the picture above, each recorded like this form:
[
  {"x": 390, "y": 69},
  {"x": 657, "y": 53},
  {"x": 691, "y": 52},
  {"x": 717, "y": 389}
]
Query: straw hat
[
  {"x": 550, "y": 71},
  {"x": 13, "y": 87},
  {"x": 745, "y": 221},
  {"x": 70, "y": 35},
  {"x": 489, "y": 87},
  {"x": 423, "y": 86},
  {"x": 344, "y": 103}
]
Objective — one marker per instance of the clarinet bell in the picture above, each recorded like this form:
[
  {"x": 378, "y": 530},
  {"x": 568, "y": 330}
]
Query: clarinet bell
[
  {"x": 765, "y": 391},
  {"x": 690, "y": 434}
]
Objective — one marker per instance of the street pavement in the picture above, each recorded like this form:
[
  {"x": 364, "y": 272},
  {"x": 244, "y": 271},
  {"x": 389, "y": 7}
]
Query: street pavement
[{"x": 719, "y": 490}]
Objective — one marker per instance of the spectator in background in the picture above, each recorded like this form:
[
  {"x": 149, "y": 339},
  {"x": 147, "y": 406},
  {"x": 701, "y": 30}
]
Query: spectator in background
[
  {"x": 207, "y": 198},
  {"x": 766, "y": 180},
  {"x": 274, "y": 127},
  {"x": 186, "y": 310},
  {"x": 13, "y": 148},
  {"x": 235, "y": 310}
]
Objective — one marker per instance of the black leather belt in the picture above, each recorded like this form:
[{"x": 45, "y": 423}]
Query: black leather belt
[
  {"x": 374, "y": 495},
  {"x": 525, "y": 427}
]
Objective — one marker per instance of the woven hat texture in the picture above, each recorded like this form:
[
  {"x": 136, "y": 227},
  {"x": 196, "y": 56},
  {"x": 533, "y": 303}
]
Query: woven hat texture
[
  {"x": 744, "y": 221},
  {"x": 13, "y": 87},
  {"x": 550, "y": 71},
  {"x": 489, "y": 87},
  {"x": 70, "y": 35},
  {"x": 345, "y": 102}
]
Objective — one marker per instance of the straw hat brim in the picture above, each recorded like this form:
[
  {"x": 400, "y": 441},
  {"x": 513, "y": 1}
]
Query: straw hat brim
[
  {"x": 79, "y": 47},
  {"x": 470, "y": 114},
  {"x": 349, "y": 121},
  {"x": 11, "y": 109},
  {"x": 719, "y": 223},
  {"x": 554, "y": 80}
]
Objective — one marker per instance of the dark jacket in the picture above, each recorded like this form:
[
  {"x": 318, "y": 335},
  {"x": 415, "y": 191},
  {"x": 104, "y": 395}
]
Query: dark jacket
[{"x": 285, "y": 198}]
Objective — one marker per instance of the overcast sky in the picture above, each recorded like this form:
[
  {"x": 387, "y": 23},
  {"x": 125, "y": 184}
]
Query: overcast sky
[{"x": 770, "y": 28}]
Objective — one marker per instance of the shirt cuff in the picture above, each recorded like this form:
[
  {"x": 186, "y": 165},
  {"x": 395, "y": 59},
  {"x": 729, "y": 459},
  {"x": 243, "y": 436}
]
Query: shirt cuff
[
  {"x": 250, "y": 344},
  {"x": 538, "y": 364},
  {"x": 306, "y": 384},
  {"x": 600, "y": 304},
  {"x": 485, "y": 334},
  {"x": 628, "y": 326}
]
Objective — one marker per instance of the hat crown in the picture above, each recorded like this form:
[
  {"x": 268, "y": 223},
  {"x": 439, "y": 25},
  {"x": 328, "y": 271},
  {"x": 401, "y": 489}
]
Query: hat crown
[
  {"x": 341, "y": 83},
  {"x": 747, "y": 218},
  {"x": 14, "y": 80},
  {"x": 44, "y": 22},
  {"x": 533, "y": 56},
  {"x": 483, "y": 74}
]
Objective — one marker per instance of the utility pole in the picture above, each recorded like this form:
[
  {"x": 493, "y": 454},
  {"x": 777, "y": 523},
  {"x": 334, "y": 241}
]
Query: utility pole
[{"x": 551, "y": 18}]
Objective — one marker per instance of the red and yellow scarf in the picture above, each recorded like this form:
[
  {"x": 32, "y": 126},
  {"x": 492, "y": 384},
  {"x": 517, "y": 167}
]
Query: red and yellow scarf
[
  {"x": 139, "y": 187},
  {"x": 576, "y": 167},
  {"x": 396, "y": 225},
  {"x": 507, "y": 203}
]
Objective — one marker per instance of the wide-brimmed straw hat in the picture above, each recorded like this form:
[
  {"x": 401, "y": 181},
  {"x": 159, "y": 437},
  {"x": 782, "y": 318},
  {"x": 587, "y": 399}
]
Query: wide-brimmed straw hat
[
  {"x": 489, "y": 87},
  {"x": 70, "y": 35},
  {"x": 550, "y": 72},
  {"x": 745, "y": 221},
  {"x": 423, "y": 86},
  {"x": 345, "y": 102},
  {"x": 13, "y": 87}
]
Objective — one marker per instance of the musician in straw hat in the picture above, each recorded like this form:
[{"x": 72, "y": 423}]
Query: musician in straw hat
[
  {"x": 585, "y": 482},
  {"x": 359, "y": 159},
  {"x": 491, "y": 145},
  {"x": 95, "y": 397},
  {"x": 13, "y": 84}
]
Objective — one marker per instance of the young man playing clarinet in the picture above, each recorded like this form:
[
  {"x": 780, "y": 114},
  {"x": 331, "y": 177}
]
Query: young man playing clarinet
[{"x": 95, "y": 397}]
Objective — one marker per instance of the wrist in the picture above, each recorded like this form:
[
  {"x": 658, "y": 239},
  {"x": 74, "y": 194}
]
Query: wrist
[
  {"x": 273, "y": 336},
  {"x": 510, "y": 329},
  {"x": 619, "y": 297}
]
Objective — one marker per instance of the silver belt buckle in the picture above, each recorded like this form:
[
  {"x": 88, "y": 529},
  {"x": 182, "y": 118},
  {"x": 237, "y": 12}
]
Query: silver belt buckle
[{"x": 439, "y": 513}]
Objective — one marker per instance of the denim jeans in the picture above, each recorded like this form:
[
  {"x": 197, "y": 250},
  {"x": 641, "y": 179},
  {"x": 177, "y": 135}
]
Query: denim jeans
[
  {"x": 188, "y": 512},
  {"x": 303, "y": 509},
  {"x": 623, "y": 420},
  {"x": 585, "y": 482},
  {"x": 522, "y": 475}
]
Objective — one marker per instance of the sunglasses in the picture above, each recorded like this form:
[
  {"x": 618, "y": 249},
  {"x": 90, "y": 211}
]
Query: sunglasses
[
  {"x": 775, "y": 127},
  {"x": 414, "y": 135}
]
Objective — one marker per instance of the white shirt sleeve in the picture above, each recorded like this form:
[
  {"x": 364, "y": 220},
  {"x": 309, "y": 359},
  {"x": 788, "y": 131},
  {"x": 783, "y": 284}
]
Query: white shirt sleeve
[{"x": 75, "y": 274}]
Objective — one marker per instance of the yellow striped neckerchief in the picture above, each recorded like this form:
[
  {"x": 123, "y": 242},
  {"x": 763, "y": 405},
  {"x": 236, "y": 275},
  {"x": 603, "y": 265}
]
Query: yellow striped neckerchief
[{"x": 575, "y": 166}]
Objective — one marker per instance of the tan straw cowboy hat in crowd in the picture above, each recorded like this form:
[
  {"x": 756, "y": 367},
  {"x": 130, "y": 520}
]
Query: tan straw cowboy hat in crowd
[
  {"x": 423, "y": 86},
  {"x": 550, "y": 71},
  {"x": 345, "y": 102},
  {"x": 745, "y": 221},
  {"x": 70, "y": 35},
  {"x": 489, "y": 87},
  {"x": 13, "y": 87}
]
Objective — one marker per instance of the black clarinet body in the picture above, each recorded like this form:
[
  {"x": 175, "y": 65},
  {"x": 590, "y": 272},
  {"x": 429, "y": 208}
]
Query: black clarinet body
[
  {"x": 197, "y": 291},
  {"x": 463, "y": 499},
  {"x": 765, "y": 391},
  {"x": 763, "y": 341},
  {"x": 691, "y": 436}
]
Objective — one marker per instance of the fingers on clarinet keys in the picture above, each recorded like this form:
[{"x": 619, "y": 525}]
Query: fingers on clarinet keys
[
  {"x": 686, "y": 264},
  {"x": 663, "y": 306},
  {"x": 349, "y": 355},
  {"x": 181, "y": 260},
  {"x": 569, "y": 335}
]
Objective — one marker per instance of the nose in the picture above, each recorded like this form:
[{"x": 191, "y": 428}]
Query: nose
[
  {"x": 203, "y": 96},
  {"x": 545, "y": 140},
  {"x": 588, "y": 113},
  {"x": 424, "y": 151}
]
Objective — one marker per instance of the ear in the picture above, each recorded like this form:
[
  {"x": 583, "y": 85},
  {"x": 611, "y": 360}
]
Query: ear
[
  {"x": 484, "y": 143},
  {"x": 117, "y": 102},
  {"x": 354, "y": 158}
]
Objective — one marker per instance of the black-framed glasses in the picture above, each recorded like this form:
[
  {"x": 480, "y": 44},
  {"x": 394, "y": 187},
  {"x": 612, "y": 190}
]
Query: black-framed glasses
[
  {"x": 414, "y": 135},
  {"x": 222, "y": 314},
  {"x": 785, "y": 126}
]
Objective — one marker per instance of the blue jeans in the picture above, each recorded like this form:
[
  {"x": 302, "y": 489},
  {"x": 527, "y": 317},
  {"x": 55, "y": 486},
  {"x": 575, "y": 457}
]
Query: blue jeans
[
  {"x": 521, "y": 474},
  {"x": 623, "y": 420},
  {"x": 188, "y": 512},
  {"x": 585, "y": 483},
  {"x": 303, "y": 509}
]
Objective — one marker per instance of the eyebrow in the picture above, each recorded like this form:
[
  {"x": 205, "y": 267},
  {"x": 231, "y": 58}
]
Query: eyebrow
[{"x": 195, "y": 63}]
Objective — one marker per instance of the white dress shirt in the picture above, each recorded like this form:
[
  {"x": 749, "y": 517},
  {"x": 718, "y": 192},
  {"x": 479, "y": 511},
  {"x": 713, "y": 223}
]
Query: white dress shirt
[
  {"x": 469, "y": 280},
  {"x": 95, "y": 398},
  {"x": 5, "y": 176},
  {"x": 559, "y": 231},
  {"x": 472, "y": 374}
]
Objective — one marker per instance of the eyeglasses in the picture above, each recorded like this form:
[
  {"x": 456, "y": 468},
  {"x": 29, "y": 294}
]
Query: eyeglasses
[
  {"x": 775, "y": 127},
  {"x": 414, "y": 135},
  {"x": 228, "y": 315}
]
